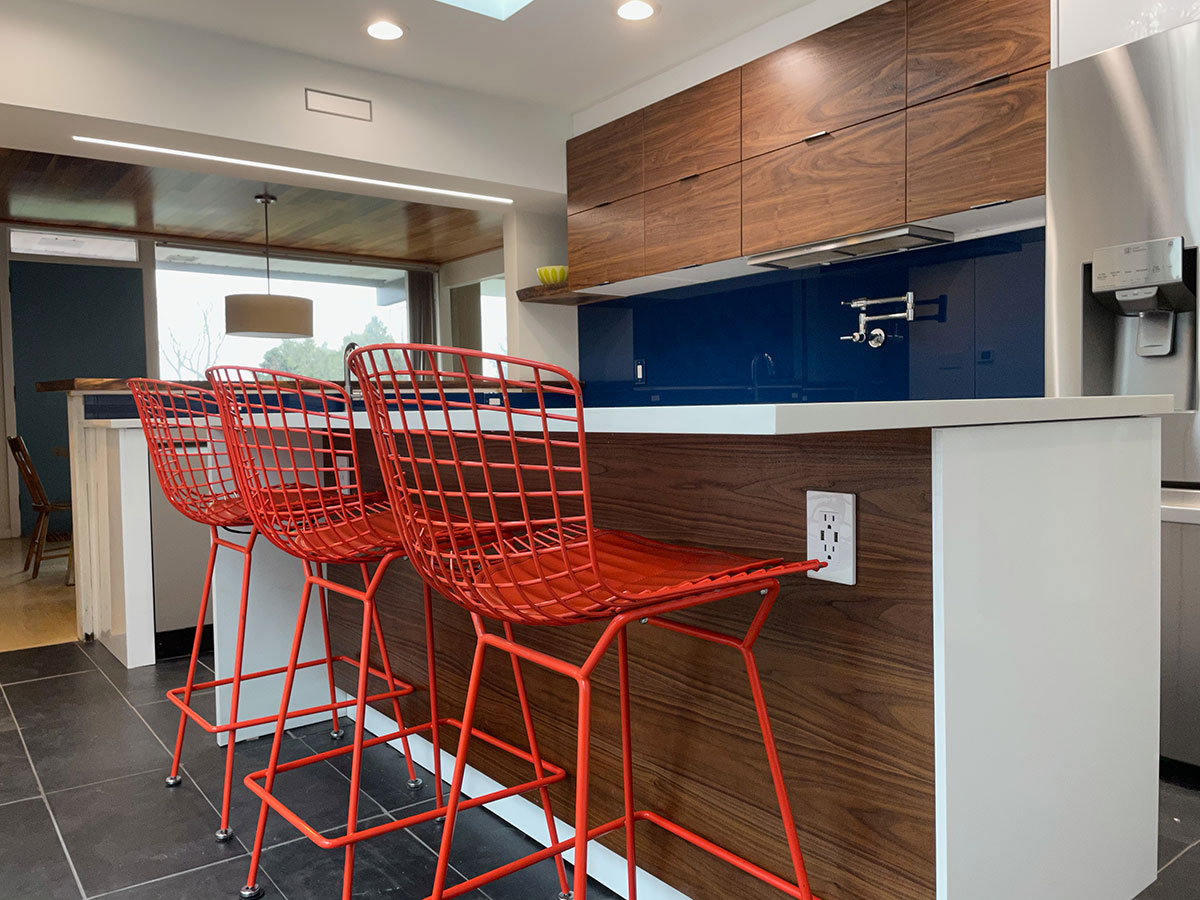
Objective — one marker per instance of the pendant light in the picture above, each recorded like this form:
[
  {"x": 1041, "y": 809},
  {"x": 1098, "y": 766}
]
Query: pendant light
[{"x": 268, "y": 315}]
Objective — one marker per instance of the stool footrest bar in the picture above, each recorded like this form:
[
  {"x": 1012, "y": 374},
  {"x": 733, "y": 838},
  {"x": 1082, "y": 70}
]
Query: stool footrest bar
[
  {"x": 252, "y": 781},
  {"x": 175, "y": 695}
]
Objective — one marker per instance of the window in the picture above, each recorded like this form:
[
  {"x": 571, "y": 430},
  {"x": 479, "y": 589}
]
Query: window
[
  {"x": 80, "y": 246},
  {"x": 363, "y": 304}
]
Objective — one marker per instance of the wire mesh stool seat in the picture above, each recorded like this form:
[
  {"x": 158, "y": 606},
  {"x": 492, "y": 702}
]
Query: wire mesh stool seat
[
  {"x": 187, "y": 449},
  {"x": 515, "y": 469},
  {"x": 292, "y": 444}
]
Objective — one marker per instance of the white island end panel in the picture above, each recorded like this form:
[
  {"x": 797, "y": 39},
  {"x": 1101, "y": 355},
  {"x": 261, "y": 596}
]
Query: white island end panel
[{"x": 1046, "y": 658}]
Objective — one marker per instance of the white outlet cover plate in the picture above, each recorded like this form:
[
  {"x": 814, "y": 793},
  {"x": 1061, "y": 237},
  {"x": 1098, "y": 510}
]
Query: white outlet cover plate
[{"x": 832, "y": 531}]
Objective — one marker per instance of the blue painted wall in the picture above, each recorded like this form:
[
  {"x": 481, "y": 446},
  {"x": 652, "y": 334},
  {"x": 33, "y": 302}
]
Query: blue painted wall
[
  {"x": 68, "y": 321},
  {"x": 979, "y": 332}
]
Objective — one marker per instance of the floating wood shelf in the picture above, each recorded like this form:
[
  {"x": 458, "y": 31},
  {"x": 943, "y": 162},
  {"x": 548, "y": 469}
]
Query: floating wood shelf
[{"x": 558, "y": 294}]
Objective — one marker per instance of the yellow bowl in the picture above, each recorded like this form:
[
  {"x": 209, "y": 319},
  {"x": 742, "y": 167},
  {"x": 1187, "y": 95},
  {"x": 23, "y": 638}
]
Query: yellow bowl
[{"x": 552, "y": 274}]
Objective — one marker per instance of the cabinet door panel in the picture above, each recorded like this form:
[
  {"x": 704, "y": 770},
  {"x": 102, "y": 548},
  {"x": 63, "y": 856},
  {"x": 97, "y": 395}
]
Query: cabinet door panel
[
  {"x": 607, "y": 243},
  {"x": 605, "y": 164},
  {"x": 697, "y": 220},
  {"x": 849, "y": 182},
  {"x": 954, "y": 44},
  {"x": 980, "y": 146},
  {"x": 841, "y": 76},
  {"x": 694, "y": 131}
]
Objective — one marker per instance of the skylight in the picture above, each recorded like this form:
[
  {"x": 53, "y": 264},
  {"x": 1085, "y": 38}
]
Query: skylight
[{"x": 496, "y": 9}]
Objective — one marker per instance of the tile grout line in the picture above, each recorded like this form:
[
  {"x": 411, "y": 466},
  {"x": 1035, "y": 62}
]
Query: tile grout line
[
  {"x": 130, "y": 887},
  {"x": 20, "y": 800},
  {"x": 322, "y": 831},
  {"x": 48, "y": 677},
  {"x": 78, "y": 787},
  {"x": 416, "y": 837},
  {"x": 1176, "y": 857},
  {"x": 42, "y": 791},
  {"x": 183, "y": 768},
  {"x": 391, "y": 815},
  {"x": 383, "y": 809}
]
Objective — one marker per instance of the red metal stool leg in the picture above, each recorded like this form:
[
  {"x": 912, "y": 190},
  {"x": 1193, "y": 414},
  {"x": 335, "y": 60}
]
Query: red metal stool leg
[
  {"x": 627, "y": 759},
  {"x": 434, "y": 727},
  {"x": 768, "y": 736},
  {"x": 252, "y": 891},
  {"x": 539, "y": 772},
  {"x": 360, "y": 715},
  {"x": 370, "y": 586},
  {"x": 225, "y": 833},
  {"x": 460, "y": 766},
  {"x": 745, "y": 645},
  {"x": 582, "y": 763},
  {"x": 336, "y": 732},
  {"x": 174, "y": 779}
]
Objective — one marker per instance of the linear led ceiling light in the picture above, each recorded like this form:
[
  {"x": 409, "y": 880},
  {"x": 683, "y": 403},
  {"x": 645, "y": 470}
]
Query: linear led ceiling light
[{"x": 292, "y": 170}]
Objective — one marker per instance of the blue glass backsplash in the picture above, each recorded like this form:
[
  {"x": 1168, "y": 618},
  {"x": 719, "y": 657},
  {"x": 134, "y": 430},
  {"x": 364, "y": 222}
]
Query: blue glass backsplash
[{"x": 979, "y": 332}]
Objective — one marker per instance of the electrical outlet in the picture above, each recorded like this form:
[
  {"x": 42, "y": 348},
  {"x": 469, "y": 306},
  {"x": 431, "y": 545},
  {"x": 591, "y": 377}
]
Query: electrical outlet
[{"x": 832, "y": 531}]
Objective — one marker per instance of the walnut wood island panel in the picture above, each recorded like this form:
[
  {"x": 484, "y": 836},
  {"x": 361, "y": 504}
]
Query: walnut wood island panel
[{"x": 848, "y": 671}]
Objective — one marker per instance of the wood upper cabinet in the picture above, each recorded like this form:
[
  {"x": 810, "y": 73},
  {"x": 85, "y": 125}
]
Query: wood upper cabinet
[
  {"x": 605, "y": 164},
  {"x": 693, "y": 221},
  {"x": 984, "y": 145},
  {"x": 694, "y": 131},
  {"x": 841, "y": 76},
  {"x": 955, "y": 44},
  {"x": 607, "y": 243},
  {"x": 848, "y": 182}
]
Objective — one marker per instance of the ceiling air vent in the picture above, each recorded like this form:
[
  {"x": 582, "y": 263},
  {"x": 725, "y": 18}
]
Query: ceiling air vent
[{"x": 856, "y": 246}]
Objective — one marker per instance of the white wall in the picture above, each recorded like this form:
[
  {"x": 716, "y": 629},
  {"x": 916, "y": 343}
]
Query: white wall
[
  {"x": 80, "y": 61},
  {"x": 536, "y": 330},
  {"x": 1086, "y": 27}
]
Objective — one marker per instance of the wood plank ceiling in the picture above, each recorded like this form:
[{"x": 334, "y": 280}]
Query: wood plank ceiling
[{"x": 50, "y": 189}]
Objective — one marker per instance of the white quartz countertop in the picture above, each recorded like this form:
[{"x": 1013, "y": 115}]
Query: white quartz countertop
[{"x": 817, "y": 418}]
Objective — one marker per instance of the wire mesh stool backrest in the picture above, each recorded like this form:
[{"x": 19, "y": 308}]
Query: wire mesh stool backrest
[
  {"x": 490, "y": 492},
  {"x": 291, "y": 440},
  {"x": 187, "y": 449}
]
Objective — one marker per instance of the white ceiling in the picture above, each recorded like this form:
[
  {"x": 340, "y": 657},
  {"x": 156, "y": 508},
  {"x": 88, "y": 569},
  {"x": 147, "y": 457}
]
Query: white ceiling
[{"x": 566, "y": 54}]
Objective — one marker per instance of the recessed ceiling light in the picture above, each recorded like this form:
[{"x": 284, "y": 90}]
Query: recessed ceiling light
[
  {"x": 635, "y": 10},
  {"x": 291, "y": 170},
  {"x": 384, "y": 30}
]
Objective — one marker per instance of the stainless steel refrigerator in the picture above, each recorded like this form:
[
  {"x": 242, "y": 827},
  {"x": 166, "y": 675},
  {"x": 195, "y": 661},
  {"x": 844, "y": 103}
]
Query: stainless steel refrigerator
[{"x": 1123, "y": 224}]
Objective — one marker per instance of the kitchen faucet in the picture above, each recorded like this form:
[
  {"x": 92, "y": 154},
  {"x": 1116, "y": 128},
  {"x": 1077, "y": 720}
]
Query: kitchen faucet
[
  {"x": 350, "y": 348},
  {"x": 754, "y": 370}
]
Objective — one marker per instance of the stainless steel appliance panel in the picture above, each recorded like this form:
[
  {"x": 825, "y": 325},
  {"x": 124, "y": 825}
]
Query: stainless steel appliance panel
[{"x": 1123, "y": 166}]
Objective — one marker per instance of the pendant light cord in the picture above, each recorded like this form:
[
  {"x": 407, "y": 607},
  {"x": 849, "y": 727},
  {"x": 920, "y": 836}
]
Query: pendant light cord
[{"x": 267, "y": 237}]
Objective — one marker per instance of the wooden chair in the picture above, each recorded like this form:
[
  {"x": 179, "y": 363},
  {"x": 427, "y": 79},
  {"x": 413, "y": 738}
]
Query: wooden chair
[{"x": 43, "y": 506}]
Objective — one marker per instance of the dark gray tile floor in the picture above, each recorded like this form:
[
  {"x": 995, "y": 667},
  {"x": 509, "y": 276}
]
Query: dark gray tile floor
[
  {"x": 1178, "y": 835},
  {"x": 85, "y": 745}
]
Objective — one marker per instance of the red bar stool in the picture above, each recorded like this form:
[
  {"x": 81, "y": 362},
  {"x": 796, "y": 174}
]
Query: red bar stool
[
  {"x": 187, "y": 449},
  {"x": 292, "y": 444},
  {"x": 530, "y": 554}
]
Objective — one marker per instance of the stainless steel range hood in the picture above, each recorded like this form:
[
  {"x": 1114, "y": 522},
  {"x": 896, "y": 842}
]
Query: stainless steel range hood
[{"x": 856, "y": 246}]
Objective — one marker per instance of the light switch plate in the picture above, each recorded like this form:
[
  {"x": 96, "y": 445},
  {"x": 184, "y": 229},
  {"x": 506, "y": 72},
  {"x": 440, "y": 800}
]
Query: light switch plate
[{"x": 832, "y": 536}]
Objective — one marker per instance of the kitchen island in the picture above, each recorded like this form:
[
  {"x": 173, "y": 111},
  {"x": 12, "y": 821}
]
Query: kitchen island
[
  {"x": 986, "y": 691},
  {"x": 943, "y": 721}
]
